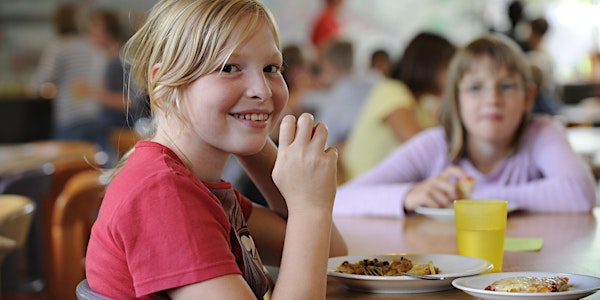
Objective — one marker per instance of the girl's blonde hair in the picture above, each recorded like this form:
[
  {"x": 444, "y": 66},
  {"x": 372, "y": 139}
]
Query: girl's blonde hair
[
  {"x": 187, "y": 39},
  {"x": 505, "y": 54}
]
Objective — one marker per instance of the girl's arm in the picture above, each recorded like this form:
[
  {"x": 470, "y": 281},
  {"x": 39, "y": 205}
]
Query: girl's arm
[
  {"x": 112, "y": 99},
  {"x": 566, "y": 183},
  {"x": 403, "y": 123},
  {"x": 305, "y": 173},
  {"x": 382, "y": 190},
  {"x": 259, "y": 167},
  {"x": 46, "y": 69}
]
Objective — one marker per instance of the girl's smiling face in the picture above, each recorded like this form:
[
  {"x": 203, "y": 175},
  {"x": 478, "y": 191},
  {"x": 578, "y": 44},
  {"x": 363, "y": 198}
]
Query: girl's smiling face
[
  {"x": 234, "y": 108},
  {"x": 492, "y": 102}
]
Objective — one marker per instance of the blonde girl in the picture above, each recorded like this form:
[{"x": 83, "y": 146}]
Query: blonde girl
[{"x": 169, "y": 226}]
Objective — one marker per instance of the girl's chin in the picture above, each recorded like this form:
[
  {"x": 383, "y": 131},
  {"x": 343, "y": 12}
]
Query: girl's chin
[{"x": 249, "y": 149}]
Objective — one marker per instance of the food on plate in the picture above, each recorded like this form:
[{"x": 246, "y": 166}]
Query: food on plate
[
  {"x": 527, "y": 284},
  {"x": 376, "y": 267},
  {"x": 464, "y": 186}
]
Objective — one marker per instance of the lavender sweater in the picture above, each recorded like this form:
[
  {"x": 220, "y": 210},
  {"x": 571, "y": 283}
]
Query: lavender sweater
[{"x": 544, "y": 175}]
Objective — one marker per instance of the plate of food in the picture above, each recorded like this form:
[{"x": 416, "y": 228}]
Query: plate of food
[
  {"x": 528, "y": 285},
  {"x": 446, "y": 214},
  {"x": 441, "y": 269}
]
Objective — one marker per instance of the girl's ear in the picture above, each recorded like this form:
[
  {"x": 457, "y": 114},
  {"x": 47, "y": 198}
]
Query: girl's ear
[
  {"x": 154, "y": 70},
  {"x": 530, "y": 93}
]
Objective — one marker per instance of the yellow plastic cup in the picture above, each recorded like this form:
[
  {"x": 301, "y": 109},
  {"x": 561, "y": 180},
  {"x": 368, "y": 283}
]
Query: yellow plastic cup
[{"x": 480, "y": 229}]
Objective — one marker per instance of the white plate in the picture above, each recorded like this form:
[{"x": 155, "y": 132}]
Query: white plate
[
  {"x": 451, "y": 267},
  {"x": 447, "y": 214},
  {"x": 580, "y": 286}
]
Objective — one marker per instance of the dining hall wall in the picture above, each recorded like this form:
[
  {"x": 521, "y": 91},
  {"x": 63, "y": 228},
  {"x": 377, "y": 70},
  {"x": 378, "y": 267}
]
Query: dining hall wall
[{"x": 25, "y": 27}]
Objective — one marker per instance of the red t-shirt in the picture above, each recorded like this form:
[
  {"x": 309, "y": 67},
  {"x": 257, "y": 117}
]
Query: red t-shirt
[
  {"x": 326, "y": 28},
  {"x": 158, "y": 228}
]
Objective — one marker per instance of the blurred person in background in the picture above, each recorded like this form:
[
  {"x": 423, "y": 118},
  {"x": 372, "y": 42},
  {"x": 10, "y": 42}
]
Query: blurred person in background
[
  {"x": 69, "y": 61},
  {"x": 400, "y": 106},
  {"x": 122, "y": 103},
  {"x": 514, "y": 12},
  {"x": 297, "y": 75},
  {"x": 486, "y": 133},
  {"x": 327, "y": 26},
  {"x": 345, "y": 99},
  {"x": 335, "y": 61},
  {"x": 381, "y": 62},
  {"x": 546, "y": 100}
]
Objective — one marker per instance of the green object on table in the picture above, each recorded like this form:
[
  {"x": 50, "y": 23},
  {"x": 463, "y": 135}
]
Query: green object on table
[{"x": 522, "y": 244}]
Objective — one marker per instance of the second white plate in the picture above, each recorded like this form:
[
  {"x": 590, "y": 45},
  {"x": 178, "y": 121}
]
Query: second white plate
[
  {"x": 447, "y": 214},
  {"x": 580, "y": 286}
]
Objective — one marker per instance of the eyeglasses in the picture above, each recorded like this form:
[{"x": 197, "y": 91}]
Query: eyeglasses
[{"x": 504, "y": 89}]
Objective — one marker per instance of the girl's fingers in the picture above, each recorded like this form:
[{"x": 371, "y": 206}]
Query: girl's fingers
[
  {"x": 440, "y": 199},
  {"x": 332, "y": 151},
  {"x": 448, "y": 188},
  {"x": 319, "y": 135},
  {"x": 287, "y": 131},
  {"x": 304, "y": 131},
  {"x": 452, "y": 172}
]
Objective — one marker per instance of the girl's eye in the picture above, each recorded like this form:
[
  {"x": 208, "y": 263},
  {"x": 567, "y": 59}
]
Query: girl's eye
[
  {"x": 272, "y": 69},
  {"x": 229, "y": 69},
  {"x": 475, "y": 88},
  {"x": 507, "y": 87}
]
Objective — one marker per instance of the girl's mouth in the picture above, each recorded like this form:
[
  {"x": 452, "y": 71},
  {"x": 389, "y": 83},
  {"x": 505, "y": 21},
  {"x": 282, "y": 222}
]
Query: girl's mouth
[
  {"x": 251, "y": 117},
  {"x": 492, "y": 117}
]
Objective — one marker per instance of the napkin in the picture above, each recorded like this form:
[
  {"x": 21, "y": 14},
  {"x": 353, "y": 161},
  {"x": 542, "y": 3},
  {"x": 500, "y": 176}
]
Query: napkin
[{"x": 516, "y": 244}]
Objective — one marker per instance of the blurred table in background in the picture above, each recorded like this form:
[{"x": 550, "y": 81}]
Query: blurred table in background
[
  {"x": 573, "y": 93},
  {"x": 586, "y": 142},
  {"x": 17, "y": 157},
  {"x": 584, "y": 113}
]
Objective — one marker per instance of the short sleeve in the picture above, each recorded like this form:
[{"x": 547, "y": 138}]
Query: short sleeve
[
  {"x": 174, "y": 233},
  {"x": 389, "y": 96}
]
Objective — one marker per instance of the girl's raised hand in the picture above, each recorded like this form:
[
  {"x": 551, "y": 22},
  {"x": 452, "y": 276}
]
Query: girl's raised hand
[
  {"x": 305, "y": 172},
  {"x": 438, "y": 191}
]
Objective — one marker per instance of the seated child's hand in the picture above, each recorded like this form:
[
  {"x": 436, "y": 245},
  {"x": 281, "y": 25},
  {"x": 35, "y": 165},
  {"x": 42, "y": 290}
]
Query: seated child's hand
[
  {"x": 438, "y": 191},
  {"x": 305, "y": 172}
]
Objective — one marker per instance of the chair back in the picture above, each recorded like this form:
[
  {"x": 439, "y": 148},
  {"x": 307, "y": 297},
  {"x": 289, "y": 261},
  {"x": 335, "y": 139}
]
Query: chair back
[
  {"x": 23, "y": 269},
  {"x": 16, "y": 213},
  {"x": 84, "y": 292},
  {"x": 75, "y": 211},
  {"x": 63, "y": 171},
  {"x": 123, "y": 140}
]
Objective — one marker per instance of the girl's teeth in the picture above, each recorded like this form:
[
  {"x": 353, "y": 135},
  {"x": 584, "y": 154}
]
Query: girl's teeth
[{"x": 253, "y": 117}]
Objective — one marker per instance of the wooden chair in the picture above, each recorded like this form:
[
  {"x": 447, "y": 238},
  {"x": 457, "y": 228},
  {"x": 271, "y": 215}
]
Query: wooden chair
[
  {"x": 75, "y": 211},
  {"x": 39, "y": 171},
  {"x": 16, "y": 214},
  {"x": 23, "y": 269},
  {"x": 84, "y": 292},
  {"x": 63, "y": 171},
  {"x": 123, "y": 140}
]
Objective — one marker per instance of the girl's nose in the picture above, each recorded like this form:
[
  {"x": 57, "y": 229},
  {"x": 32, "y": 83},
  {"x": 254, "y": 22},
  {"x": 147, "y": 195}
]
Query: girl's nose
[
  {"x": 492, "y": 95},
  {"x": 258, "y": 87}
]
